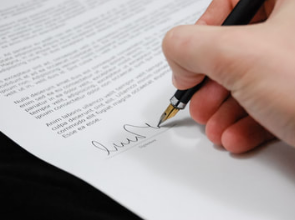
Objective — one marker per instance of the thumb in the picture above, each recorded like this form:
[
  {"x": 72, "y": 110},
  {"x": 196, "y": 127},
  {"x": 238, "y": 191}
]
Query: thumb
[{"x": 223, "y": 53}]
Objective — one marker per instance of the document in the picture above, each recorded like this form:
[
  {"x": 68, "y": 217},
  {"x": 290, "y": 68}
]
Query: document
[{"x": 82, "y": 86}]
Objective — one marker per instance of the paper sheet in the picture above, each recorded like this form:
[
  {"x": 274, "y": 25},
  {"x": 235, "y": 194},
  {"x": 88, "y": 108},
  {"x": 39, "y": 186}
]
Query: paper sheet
[{"x": 82, "y": 86}]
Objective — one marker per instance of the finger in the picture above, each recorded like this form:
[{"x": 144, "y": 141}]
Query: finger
[
  {"x": 207, "y": 101},
  {"x": 215, "y": 51},
  {"x": 189, "y": 79},
  {"x": 245, "y": 135},
  {"x": 217, "y": 11},
  {"x": 227, "y": 114},
  {"x": 264, "y": 12}
]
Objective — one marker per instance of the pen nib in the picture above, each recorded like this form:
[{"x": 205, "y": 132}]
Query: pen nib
[{"x": 169, "y": 113}]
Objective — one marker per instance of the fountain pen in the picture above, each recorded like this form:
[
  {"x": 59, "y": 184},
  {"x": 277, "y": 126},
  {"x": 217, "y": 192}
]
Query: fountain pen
[{"x": 242, "y": 14}]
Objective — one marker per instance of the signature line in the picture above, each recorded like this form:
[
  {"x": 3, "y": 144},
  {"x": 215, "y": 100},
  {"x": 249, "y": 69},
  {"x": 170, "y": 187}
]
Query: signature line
[{"x": 122, "y": 151}]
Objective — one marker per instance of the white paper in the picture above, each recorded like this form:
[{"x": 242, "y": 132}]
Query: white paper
[{"x": 82, "y": 86}]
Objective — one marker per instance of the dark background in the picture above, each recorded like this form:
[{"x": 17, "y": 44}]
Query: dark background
[{"x": 34, "y": 189}]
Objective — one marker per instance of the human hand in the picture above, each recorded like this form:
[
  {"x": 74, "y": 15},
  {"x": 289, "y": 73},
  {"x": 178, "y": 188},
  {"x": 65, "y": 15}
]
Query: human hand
[{"x": 249, "y": 98}]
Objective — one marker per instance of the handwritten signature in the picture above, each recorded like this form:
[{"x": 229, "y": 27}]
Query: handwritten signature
[{"x": 134, "y": 138}]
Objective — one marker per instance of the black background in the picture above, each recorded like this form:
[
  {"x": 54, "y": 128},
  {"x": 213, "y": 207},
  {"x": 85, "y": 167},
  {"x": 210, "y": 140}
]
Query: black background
[{"x": 34, "y": 189}]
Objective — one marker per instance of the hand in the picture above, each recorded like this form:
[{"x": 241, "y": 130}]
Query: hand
[{"x": 250, "y": 97}]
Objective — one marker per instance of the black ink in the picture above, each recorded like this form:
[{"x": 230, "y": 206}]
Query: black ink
[{"x": 114, "y": 147}]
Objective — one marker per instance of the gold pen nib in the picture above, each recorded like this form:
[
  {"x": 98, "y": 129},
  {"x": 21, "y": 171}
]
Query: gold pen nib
[{"x": 169, "y": 113}]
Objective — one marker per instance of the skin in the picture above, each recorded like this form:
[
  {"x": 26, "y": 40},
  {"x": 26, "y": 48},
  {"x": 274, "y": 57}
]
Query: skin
[{"x": 250, "y": 97}]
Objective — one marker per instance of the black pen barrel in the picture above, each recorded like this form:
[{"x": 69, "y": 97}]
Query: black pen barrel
[
  {"x": 243, "y": 12},
  {"x": 185, "y": 95}
]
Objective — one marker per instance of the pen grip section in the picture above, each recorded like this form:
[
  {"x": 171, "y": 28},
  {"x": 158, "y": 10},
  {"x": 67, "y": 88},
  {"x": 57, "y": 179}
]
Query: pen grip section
[{"x": 184, "y": 96}]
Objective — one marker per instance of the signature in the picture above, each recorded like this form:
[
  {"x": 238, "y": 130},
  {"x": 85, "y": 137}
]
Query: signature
[{"x": 134, "y": 137}]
